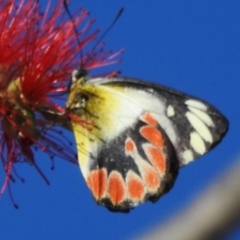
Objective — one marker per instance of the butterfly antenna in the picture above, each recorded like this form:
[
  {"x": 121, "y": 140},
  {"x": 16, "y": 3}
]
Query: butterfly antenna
[
  {"x": 109, "y": 28},
  {"x": 65, "y": 4}
]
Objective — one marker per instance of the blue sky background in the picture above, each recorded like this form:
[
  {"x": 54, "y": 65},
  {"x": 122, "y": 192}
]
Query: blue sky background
[{"x": 192, "y": 46}]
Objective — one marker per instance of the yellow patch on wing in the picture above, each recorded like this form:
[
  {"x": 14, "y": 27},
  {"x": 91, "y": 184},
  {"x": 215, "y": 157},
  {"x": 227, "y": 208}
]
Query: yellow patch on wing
[{"x": 108, "y": 107}]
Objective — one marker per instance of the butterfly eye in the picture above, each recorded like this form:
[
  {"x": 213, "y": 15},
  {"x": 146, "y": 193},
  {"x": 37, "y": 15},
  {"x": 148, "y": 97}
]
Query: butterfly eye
[{"x": 79, "y": 73}]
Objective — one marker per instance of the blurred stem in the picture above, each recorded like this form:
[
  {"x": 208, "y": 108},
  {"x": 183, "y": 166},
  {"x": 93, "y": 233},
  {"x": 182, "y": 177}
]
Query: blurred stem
[{"x": 214, "y": 214}]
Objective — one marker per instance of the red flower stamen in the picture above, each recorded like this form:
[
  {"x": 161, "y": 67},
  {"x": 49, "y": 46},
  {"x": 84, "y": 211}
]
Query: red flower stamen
[{"x": 38, "y": 53}]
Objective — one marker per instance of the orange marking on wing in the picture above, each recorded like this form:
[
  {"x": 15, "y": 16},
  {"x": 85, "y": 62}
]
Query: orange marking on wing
[
  {"x": 151, "y": 178},
  {"x": 97, "y": 182},
  {"x": 135, "y": 187},
  {"x": 116, "y": 188},
  {"x": 157, "y": 158},
  {"x": 149, "y": 119},
  {"x": 129, "y": 145},
  {"x": 152, "y": 135}
]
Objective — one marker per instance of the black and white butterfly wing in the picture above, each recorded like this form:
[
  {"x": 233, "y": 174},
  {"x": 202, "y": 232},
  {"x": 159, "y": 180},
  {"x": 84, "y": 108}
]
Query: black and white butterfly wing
[
  {"x": 192, "y": 125},
  {"x": 142, "y": 133}
]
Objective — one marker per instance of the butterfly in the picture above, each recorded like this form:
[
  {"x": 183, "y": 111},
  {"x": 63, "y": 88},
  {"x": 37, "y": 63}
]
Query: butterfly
[{"x": 142, "y": 133}]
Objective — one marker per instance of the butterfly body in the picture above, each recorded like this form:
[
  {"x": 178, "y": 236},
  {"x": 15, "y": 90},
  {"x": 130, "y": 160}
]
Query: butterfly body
[{"x": 141, "y": 134}]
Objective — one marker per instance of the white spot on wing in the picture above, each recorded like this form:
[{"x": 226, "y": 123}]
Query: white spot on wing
[
  {"x": 170, "y": 111},
  {"x": 196, "y": 104},
  {"x": 203, "y": 116},
  {"x": 197, "y": 143},
  {"x": 188, "y": 156},
  {"x": 200, "y": 127}
]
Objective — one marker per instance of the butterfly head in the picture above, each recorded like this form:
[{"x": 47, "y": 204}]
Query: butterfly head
[
  {"x": 78, "y": 76},
  {"x": 78, "y": 95}
]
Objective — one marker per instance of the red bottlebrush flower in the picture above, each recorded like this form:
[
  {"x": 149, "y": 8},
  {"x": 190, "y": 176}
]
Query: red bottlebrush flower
[{"x": 38, "y": 53}]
